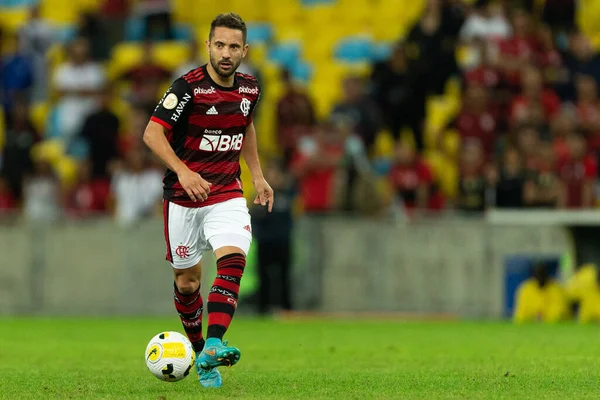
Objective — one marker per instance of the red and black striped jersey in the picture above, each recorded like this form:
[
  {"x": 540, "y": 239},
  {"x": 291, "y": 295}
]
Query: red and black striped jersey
[{"x": 206, "y": 126}]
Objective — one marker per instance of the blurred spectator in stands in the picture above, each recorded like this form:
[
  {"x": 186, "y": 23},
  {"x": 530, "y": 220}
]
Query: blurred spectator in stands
[
  {"x": 8, "y": 201},
  {"x": 90, "y": 26},
  {"x": 410, "y": 178},
  {"x": 400, "y": 92},
  {"x": 101, "y": 134},
  {"x": 36, "y": 37},
  {"x": 42, "y": 194},
  {"x": 78, "y": 82},
  {"x": 589, "y": 309},
  {"x": 359, "y": 111},
  {"x": 146, "y": 79},
  {"x": 578, "y": 174},
  {"x": 559, "y": 14},
  {"x": 542, "y": 185},
  {"x": 295, "y": 117},
  {"x": 272, "y": 233},
  {"x": 20, "y": 138},
  {"x": 583, "y": 290},
  {"x": 561, "y": 127},
  {"x": 588, "y": 110},
  {"x": 548, "y": 57},
  {"x": 540, "y": 298},
  {"x": 528, "y": 141},
  {"x": 131, "y": 138},
  {"x": 136, "y": 187},
  {"x": 16, "y": 76},
  {"x": 487, "y": 20},
  {"x": 315, "y": 164},
  {"x": 533, "y": 97},
  {"x": 517, "y": 51},
  {"x": 473, "y": 184},
  {"x": 510, "y": 181},
  {"x": 194, "y": 61},
  {"x": 89, "y": 195},
  {"x": 156, "y": 15},
  {"x": 580, "y": 59},
  {"x": 431, "y": 42},
  {"x": 481, "y": 71},
  {"x": 477, "y": 120},
  {"x": 114, "y": 14}
]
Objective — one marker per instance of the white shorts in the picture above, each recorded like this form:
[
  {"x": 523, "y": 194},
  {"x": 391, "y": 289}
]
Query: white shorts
[{"x": 189, "y": 232}]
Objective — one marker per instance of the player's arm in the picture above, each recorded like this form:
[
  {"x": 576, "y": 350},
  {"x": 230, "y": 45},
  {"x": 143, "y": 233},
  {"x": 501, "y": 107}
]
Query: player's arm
[
  {"x": 162, "y": 121},
  {"x": 264, "y": 192}
]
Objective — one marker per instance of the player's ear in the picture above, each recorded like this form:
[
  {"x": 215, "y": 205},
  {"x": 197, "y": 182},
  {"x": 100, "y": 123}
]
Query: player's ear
[
  {"x": 245, "y": 50},
  {"x": 208, "y": 46}
]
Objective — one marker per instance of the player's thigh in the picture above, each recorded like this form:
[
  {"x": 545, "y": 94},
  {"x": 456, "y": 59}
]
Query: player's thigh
[
  {"x": 183, "y": 236},
  {"x": 227, "y": 228}
]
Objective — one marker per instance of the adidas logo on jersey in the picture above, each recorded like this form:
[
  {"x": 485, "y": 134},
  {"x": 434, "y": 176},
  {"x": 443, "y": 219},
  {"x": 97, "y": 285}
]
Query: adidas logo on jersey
[{"x": 212, "y": 111}]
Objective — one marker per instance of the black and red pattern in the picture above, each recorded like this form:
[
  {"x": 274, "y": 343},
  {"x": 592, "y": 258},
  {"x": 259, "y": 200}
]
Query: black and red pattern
[
  {"x": 206, "y": 128},
  {"x": 223, "y": 296},
  {"x": 190, "y": 309}
]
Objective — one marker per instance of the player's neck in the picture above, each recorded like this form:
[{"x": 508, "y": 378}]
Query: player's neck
[{"x": 218, "y": 79}]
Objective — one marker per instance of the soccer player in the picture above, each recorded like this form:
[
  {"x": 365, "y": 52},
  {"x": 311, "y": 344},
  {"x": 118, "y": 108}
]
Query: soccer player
[{"x": 199, "y": 130}]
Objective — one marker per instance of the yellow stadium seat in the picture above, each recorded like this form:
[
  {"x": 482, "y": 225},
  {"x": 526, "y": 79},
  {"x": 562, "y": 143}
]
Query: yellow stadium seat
[
  {"x": 60, "y": 12},
  {"x": 39, "y": 116},
  {"x": 283, "y": 12},
  {"x": 384, "y": 144},
  {"x": 204, "y": 11},
  {"x": 181, "y": 11},
  {"x": 12, "y": 19},
  {"x": 48, "y": 150},
  {"x": 125, "y": 55},
  {"x": 202, "y": 33},
  {"x": 248, "y": 10},
  {"x": 66, "y": 168},
  {"x": 355, "y": 14},
  {"x": 291, "y": 32},
  {"x": 89, "y": 5},
  {"x": 258, "y": 53},
  {"x": 271, "y": 73},
  {"x": 170, "y": 55},
  {"x": 323, "y": 15}
]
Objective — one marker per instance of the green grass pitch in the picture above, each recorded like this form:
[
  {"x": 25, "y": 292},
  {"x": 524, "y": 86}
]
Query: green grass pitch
[{"x": 71, "y": 358}]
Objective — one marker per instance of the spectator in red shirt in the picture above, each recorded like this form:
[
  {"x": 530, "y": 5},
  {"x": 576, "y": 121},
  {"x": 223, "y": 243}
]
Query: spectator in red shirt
[
  {"x": 410, "y": 178},
  {"x": 146, "y": 79},
  {"x": 533, "y": 94},
  {"x": 517, "y": 51},
  {"x": 563, "y": 125},
  {"x": 8, "y": 201},
  {"x": 89, "y": 195},
  {"x": 578, "y": 175},
  {"x": 315, "y": 164},
  {"x": 477, "y": 120},
  {"x": 528, "y": 141},
  {"x": 295, "y": 117},
  {"x": 588, "y": 110},
  {"x": 484, "y": 73}
]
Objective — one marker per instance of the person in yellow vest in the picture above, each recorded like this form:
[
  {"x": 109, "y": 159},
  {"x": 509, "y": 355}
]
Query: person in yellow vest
[
  {"x": 581, "y": 282},
  {"x": 540, "y": 298},
  {"x": 589, "y": 305}
]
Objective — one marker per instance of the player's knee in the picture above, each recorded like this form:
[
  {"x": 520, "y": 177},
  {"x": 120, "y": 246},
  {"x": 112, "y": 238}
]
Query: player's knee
[{"x": 187, "y": 283}]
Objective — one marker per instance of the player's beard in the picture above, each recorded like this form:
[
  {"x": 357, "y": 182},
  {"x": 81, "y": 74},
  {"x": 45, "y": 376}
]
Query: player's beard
[{"x": 222, "y": 72}]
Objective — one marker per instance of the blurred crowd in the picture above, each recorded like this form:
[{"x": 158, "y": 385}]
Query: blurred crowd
[{"x": 526, "y": 134}]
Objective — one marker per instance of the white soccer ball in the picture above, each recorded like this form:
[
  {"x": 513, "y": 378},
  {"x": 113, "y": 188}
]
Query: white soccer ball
[{"x": 170, "y": 356}]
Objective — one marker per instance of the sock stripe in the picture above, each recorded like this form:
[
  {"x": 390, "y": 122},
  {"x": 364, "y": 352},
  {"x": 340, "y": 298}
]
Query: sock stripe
[
  {"x": 224, "y": 308},
  {"x": 222, "y": 292},
  {"x": 232, "y": 255},
  {"x": 231, "y": 286}
]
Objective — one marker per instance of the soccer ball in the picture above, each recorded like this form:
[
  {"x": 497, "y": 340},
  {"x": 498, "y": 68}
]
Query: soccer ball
[{"x": 170, "y": 356}]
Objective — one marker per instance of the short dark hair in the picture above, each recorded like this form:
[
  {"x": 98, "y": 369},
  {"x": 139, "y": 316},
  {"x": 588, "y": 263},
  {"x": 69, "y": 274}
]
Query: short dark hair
[{"x": 228, "y": 20}]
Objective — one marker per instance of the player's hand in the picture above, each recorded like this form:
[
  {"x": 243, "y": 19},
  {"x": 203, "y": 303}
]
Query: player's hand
[
  {"x": 196, "y": 187},
  {"x": 264, "y": 194}
]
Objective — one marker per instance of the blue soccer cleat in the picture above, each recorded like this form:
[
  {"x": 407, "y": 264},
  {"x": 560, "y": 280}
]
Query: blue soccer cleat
[
  {"x": 208, "y": 378},
  {"x": 216, "y": 354}
]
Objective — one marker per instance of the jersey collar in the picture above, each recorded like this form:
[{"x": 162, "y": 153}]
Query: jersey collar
[{"x": 224, "y": 88}]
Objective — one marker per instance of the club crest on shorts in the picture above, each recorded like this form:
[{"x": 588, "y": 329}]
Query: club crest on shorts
[
  {"x": 182, "y": 251},
  {"x": 245, "y": 106}
]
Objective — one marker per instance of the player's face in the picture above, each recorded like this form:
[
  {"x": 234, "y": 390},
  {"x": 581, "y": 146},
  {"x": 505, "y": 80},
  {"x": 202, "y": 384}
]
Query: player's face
[{"x": 226, "y": 50}]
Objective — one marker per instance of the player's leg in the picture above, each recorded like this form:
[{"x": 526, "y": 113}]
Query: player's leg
[
  {"x": 184, "y": 251},
  {"x": 227, "y": 228}
]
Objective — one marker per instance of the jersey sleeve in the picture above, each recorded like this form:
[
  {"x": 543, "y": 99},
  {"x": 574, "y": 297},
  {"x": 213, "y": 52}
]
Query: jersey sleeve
[
  {"x": 251, "y": 119},
  {"x": 173, "y": 104}
]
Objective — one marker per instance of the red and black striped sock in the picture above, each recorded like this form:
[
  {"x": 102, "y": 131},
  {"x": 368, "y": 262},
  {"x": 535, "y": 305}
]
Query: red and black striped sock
[
  {"x": 223, "y": 296},
  {"x": 190, "y": 308}
]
